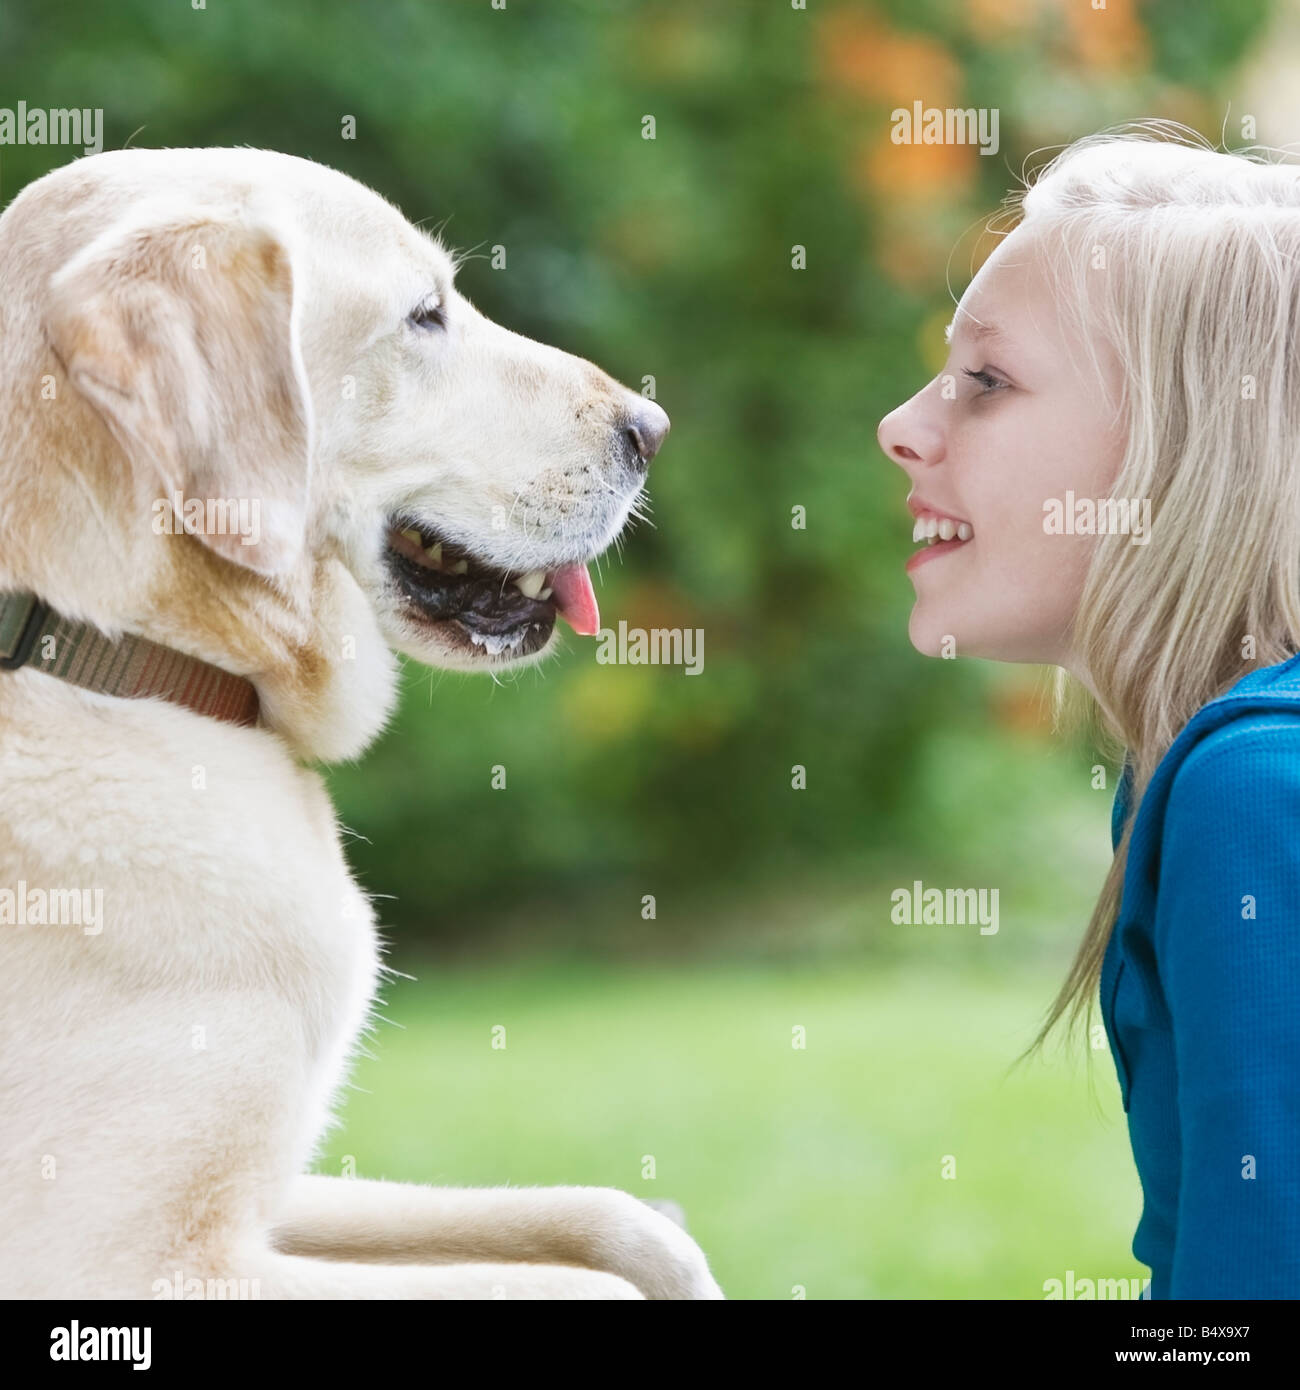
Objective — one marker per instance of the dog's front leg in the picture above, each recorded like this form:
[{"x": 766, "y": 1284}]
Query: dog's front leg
[{"x": 597, "y": 1228}]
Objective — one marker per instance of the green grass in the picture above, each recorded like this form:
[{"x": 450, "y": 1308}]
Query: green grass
[{"x": 818, "y": 1167}]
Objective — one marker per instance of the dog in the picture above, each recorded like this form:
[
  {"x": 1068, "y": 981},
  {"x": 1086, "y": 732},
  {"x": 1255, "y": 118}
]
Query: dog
[{"x": 253, "y": 443}]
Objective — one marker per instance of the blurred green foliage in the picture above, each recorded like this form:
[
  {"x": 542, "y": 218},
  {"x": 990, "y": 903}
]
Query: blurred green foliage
[{"x": 672, "y": 258}]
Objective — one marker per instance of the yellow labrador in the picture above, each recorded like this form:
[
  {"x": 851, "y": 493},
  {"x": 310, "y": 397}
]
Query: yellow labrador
[{"x": 252, "y": 440}]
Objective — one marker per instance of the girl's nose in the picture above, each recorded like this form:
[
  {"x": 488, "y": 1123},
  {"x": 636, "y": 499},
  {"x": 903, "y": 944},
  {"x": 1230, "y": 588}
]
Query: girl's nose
[{"x": 908, "y": 437}]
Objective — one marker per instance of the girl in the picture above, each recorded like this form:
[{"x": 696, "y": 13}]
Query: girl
[{"x": 1106, "y": 478}]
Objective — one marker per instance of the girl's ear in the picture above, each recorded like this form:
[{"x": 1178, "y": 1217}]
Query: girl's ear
[{"x": 179, "y": 328}]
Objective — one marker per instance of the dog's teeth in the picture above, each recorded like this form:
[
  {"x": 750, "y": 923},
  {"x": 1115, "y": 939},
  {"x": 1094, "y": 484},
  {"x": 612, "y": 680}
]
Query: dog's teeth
[
  {"x": 546, "y": 593},
  {"x": 434, "y": 552},
  {"x": 412, "y": 534},
  {"x": 460, "y": 567},
  {"x": 531, "y": 584},
  {"x": 965, "y": 531}
]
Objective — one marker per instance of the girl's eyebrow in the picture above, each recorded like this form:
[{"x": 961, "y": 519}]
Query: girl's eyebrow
[{"x": 981, "y": 332}]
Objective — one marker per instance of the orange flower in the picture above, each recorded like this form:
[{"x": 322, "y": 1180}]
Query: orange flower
[
  {"x": 941, "y": 173},
  {"x": 1106, "y": 39},
  {"x": 858, "y": 54},
  {"x": 995, "y": 19}
]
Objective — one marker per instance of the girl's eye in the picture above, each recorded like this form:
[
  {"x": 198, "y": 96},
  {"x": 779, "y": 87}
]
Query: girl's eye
[
  {"x": 428, "y": 317},
  {"x": 985, "y": 379}
]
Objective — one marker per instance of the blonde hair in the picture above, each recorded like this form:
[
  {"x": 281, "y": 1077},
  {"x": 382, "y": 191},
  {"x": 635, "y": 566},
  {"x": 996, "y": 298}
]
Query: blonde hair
[{"x": 1184, "y": 261}]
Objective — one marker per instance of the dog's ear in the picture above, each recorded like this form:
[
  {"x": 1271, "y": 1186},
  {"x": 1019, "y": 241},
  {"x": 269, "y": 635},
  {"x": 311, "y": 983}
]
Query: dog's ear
[{"x": 180, "y": 330}]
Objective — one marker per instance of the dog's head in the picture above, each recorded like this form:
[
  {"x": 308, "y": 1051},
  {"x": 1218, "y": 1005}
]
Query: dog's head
[{"x": 293, "y": 432}]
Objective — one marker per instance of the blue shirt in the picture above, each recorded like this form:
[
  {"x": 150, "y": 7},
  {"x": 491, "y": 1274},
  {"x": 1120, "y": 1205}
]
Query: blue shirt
[{"x": 1200, "y": 996}]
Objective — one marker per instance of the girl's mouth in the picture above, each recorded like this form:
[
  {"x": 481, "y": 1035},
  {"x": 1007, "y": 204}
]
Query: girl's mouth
[{"x": 937, "y": 534}]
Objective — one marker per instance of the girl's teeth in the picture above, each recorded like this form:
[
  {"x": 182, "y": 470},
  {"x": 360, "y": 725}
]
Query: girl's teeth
[{"x": 933, "y": 529}]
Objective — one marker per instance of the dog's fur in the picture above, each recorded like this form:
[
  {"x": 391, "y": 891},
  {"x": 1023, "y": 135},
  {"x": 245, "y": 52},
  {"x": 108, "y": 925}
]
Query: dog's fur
[{"x": 233, "y": 323}]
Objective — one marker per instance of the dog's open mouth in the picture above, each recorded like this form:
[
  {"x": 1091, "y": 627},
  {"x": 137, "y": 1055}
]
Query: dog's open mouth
[{"x": 502, "y": 613}]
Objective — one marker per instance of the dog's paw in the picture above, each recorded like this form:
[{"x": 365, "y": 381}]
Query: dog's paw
[{"x": 651, "y": 1250}]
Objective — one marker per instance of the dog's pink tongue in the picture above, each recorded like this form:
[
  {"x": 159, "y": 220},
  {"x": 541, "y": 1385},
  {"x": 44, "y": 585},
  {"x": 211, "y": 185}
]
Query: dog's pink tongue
[{"x": 576, "y": 599}]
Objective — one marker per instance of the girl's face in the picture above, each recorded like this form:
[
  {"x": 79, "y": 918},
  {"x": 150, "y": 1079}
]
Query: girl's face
[{"x": 1016, "y": 418}]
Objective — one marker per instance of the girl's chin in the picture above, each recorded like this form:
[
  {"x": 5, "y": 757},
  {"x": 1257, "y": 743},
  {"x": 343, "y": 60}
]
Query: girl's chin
[
  {"x": 933, "y": 639},
  {"x": 931, "y": 635},
  {"x": 948, "y": 637}
]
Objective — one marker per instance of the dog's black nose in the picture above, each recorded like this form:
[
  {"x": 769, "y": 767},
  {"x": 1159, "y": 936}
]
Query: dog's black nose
[{"x": 645, "y": 430}]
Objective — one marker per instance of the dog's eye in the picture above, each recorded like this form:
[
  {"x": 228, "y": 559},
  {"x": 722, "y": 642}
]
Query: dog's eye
[{"x": 428, "y": 317}]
